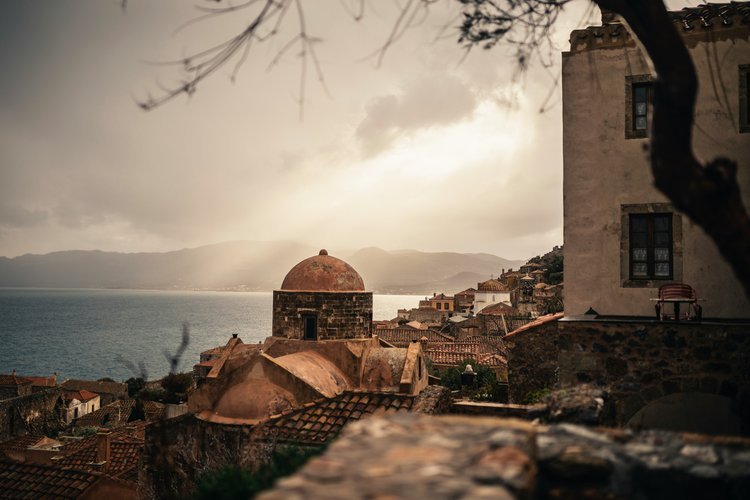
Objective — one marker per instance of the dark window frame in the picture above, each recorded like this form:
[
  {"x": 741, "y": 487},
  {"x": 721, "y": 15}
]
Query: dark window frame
[
  {"x": 650, "y": 233},
  {"x": 633, "y": 82},
  {"x": 744, "y": 94},
  {"x": 314, "y": 319},
  {"x": 625, "y": 248}
]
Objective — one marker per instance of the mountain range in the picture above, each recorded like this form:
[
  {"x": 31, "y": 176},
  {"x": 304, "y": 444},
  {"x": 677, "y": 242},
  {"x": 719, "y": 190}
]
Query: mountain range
[{"x": 247, "y": 265}]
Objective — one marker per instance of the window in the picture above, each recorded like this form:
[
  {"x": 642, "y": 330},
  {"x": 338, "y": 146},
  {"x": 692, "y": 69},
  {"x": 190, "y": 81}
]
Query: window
[
  {"x": 310, "y": 323},
  {"x": 744, "y": 98},
  {"x": 640, "y": 107},
  {"x": 651, "y": 246},
  {"x": 439, "y": 305},
  {"x": 638, "y": 90}
]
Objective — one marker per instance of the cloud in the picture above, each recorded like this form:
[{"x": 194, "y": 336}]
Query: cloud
[
  {"x": 426, "y": 102},
  {"x": 18, "y": 216}
]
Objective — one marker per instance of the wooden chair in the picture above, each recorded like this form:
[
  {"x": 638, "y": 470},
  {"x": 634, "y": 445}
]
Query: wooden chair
[{"x": 671, "y": 296}]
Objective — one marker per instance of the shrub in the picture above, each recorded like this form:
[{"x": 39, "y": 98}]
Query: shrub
[{"x": 233, "y": 482}]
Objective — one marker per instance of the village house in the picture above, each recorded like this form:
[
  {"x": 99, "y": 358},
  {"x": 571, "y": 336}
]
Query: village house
[
  {"x": 623, "y": 237},
  {"x": 684, "y": 367},
  {"x": 107, "y": 391},
  {"x": 79, "y": 403},
  {"x": 464, "y": 301}
]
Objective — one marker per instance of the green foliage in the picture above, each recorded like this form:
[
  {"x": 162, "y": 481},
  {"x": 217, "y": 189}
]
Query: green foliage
[
  {"x": 536, "y": 396},
  {"x": 135, "y": 385},
  {"x": 177, "y": 383},
  {"x": 86, "y": 431},
  {"x": 156, "y": 394},
  {"x": 487, "y": 387},
  {"x": 233, "y": 482},
  {"x": 176, "y": 386}
]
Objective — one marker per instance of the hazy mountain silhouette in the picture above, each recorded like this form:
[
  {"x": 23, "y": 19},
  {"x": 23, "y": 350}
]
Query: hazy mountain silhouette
[{"x": 248, "y": 265}]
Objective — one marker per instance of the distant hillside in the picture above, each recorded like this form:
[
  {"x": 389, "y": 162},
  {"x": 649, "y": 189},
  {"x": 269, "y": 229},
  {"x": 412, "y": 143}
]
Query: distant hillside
[
  {"x": 244, "y": 265},
  {"x": 553, "y": 262},
  {"x": 411, "y": 271}
]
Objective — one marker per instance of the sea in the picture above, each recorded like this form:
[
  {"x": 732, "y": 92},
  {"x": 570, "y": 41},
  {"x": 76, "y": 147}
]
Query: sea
[{"x": 92, "y": 333}]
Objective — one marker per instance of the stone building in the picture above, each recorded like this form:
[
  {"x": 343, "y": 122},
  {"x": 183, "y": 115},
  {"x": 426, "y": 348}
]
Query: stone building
[
  {"x": 323, "y": 298},
  {"x": 321, "y": 347},
  {"x": 623, "y": 237}
]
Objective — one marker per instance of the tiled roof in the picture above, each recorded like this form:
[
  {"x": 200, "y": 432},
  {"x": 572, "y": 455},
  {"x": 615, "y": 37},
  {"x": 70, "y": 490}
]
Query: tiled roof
[
  {"x": 118, "y": 412},
  {"x": 491, "y": 285},
  {"x": 44, "y": 381},
  {"x": 124, "y": 454},
  {"x": 13, "y": 379},
  {"x": 496, "y": 309},
  {"x": 441, "y": 296},
  {"x": 487, "y": 352},
  {"x": 42, "y": 482},
  {"x": 402, "y": 337},
  {"x": 82, "y": 395},
  {"x": 19, "y": 443},
  {"x": 320, "y": 421},
  {"x": 214, "y": 351},
  {"x": 115, "y": 388}
]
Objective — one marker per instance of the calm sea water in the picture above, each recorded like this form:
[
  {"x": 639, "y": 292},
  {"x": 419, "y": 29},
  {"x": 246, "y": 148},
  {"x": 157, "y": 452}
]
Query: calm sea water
[{"x": 91, "y": 334}]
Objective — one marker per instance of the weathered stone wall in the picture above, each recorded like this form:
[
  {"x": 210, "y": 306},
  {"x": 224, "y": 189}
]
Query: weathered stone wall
[
  {"x": 179, "y": 450},
  {"x": 532, "y": 362},
  {"x": 637, "y": 361},
  {"x": 339, "y": 314},
  {"x": 419, "y": 456},
  {"x": 36, "y": 413},
  {"x": 640, "y": 362}
]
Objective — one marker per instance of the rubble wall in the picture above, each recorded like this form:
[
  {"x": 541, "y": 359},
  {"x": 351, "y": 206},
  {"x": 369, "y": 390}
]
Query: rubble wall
[{"x": 36, "y": 413}]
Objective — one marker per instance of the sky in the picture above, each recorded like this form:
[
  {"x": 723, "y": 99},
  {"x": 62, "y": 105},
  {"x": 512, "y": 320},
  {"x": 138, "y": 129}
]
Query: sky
[{"x": 431, "y": 149}]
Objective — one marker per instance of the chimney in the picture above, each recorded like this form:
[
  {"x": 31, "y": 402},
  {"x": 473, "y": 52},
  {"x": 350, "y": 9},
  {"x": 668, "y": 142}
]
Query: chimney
[
  {"x": 234, "y": 335},
  {"x": 103, "y": 445}
]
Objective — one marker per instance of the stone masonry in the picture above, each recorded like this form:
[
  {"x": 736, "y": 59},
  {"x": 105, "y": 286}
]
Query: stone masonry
[
  {"x": 637, "y": 361},
  {"x": 450, "y": 457},
  {"x": 35, "y": 413},
  {"x": 339, "y": 314}
]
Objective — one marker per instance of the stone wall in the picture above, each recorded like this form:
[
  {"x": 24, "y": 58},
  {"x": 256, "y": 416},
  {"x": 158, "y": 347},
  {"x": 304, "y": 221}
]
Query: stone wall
[
  {"x": 532, "y": 362},
  {"x": 36, "y": 413},
  {"x": 419, "y": 456},
  {"x": 640, "y": 362},
  {"x": 339, "y": 314}
]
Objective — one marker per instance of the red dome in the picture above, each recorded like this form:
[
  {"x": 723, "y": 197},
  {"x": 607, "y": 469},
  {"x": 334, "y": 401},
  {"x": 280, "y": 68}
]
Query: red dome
[{"x": 323, "y": 273}]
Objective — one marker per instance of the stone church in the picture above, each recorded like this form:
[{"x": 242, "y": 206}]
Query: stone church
[{"x": 321, "y": 346}]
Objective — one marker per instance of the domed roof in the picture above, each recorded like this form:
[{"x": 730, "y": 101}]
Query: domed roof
[
  {"x": 323, "y": 273},
  {"x": 491, "y": 285}
]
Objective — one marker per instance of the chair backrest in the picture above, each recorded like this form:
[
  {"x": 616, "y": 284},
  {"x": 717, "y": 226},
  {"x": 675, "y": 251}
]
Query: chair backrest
[{"x": 677, "y": 291}]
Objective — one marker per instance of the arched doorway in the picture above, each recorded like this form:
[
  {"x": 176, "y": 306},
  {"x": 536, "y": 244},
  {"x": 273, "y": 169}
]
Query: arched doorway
[{"x": 689, "y": 412}]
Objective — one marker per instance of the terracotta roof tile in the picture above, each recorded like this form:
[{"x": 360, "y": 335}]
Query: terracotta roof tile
[
  {"x": 486, "y": 352},
  {"x": 115, "y": 388},
  {"x": 13, "y": 379},
  {"x": 402, "y": 337},
  {"x": 322, "y": 420},
  {"x": 23, "y": 480}
]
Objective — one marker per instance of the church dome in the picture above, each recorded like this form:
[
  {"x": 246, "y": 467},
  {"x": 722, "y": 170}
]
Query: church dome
[
  {"x": 491, "y": 285},
  {"x": 323, "y": 273}
]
